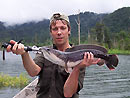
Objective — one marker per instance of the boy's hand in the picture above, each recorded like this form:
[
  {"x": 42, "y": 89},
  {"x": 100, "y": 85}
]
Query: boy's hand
[{"x": 17, "y": 48}]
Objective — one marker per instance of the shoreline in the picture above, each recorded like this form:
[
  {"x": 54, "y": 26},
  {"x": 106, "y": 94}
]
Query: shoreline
[{"x": 119, "y": 52}]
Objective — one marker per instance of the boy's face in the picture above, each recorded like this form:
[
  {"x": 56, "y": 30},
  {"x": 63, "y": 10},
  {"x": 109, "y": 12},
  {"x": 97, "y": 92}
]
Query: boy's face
[{"x": 60, "y": 32}]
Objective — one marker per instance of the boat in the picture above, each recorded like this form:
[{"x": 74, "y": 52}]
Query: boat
[{"x": 29, "y": 91}]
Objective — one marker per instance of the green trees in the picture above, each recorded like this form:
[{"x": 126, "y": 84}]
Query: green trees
[
  {"x": 111, "y": 30},
  {"x": 124, "y": 40},
  {"x": 118, "y": 20},
  {"x": 102, "y": 35}
]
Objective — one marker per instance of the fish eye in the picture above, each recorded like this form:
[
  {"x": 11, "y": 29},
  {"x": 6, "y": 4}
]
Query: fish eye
[{"x": 48, "y": 49}]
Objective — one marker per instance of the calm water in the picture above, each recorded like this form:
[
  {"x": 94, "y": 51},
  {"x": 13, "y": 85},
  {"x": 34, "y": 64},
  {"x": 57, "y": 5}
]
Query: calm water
[{"x": 99, "y": 82}]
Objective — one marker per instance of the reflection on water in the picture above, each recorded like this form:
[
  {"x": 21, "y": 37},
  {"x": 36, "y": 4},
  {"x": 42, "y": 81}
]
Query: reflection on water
[{"x": 99, "y": 82}]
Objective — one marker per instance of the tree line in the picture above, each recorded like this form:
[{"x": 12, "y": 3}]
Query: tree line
[{"x": 109, "y": 29}]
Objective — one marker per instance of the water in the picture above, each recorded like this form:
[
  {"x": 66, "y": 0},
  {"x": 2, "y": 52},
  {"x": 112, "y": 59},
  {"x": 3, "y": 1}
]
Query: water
[
  {"x": 99, "y": 82},
  {"x": 12, "y": 66},
  {"x": 102, "y": 83}
]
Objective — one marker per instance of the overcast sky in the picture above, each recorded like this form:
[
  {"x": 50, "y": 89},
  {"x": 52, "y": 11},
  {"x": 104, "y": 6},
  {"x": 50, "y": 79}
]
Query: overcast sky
[{"x": 20, "y": 11}]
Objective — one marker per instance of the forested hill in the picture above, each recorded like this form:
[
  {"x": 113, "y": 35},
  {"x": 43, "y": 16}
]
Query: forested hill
[
  {"x": 87, "y": 20},
  {"x": 38, "y": 32},
  {"x": 119, "y": 20}
]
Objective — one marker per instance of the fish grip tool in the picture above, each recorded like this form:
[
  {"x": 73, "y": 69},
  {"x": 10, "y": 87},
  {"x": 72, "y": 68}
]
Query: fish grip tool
[
  {"x": 26, "y": 48},
  {"x": 5, "y": 45}
]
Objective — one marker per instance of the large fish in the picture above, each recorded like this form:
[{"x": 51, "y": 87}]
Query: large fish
[
  {"x": 71, "y": 59},
  {"x": 74, "y": 55}
]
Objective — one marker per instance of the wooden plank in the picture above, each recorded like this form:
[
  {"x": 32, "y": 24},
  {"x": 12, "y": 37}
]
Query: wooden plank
[{"x": 29, "y": 91}]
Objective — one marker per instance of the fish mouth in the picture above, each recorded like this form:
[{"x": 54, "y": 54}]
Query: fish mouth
[
  {"x": 51, "y": 55},
  {"x": 46, "y": 50}
]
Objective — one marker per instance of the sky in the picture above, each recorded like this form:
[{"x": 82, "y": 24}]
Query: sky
[{"x": 21, "y": 11}]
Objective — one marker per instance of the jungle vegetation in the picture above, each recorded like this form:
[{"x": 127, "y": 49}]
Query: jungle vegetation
[{"x": 111, "y": 30}]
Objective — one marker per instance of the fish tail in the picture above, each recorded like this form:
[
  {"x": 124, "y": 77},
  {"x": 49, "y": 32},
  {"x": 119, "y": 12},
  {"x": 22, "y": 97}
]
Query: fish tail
[{"x": 112, "y": 61}]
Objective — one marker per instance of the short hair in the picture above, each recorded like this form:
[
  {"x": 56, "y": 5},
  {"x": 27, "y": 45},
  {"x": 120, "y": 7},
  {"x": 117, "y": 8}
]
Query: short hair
[{"x": 62, "y": 17}]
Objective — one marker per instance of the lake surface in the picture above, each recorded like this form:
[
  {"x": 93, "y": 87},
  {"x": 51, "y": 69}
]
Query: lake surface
[{"x": 99, "y": 81}]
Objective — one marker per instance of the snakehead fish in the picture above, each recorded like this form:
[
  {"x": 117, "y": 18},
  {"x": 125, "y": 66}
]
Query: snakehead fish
[
  {"x": 74, "y": 56},
  {"x": 71, "y": 59}
]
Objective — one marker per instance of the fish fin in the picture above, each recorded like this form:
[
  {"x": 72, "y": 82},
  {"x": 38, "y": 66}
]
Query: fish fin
[
  {"x": 66, "y": 67},
  {"x": 84, "y": 46},
  {"x": 112, "y": 62},
  {"x": 68, "y": 70},
  {"x": 110, "y": 67},
  {"x": 101, "y": 62}
]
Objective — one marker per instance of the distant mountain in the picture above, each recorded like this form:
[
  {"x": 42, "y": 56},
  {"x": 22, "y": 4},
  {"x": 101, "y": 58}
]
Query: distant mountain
[
  {"x": 2, "y": 27},
  {"x": 118, "y": 20},
  {"x": 39, "y": 31},
  {"x": 87, "y": 20},
  {"x": 30, "y": 32}
]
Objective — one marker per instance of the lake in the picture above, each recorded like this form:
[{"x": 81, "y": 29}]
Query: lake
[{"x": 99, "y": 81}]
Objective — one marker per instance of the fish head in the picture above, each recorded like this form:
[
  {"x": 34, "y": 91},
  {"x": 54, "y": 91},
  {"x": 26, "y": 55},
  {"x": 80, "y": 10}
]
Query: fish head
[
  {"x": 52, "y": 55},
  {"x": 49, "y": 53},
  {"x": 46, "y": 51}
]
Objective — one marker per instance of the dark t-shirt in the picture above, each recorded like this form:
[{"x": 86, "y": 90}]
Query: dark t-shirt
[{"x": 52, "y": 78}]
